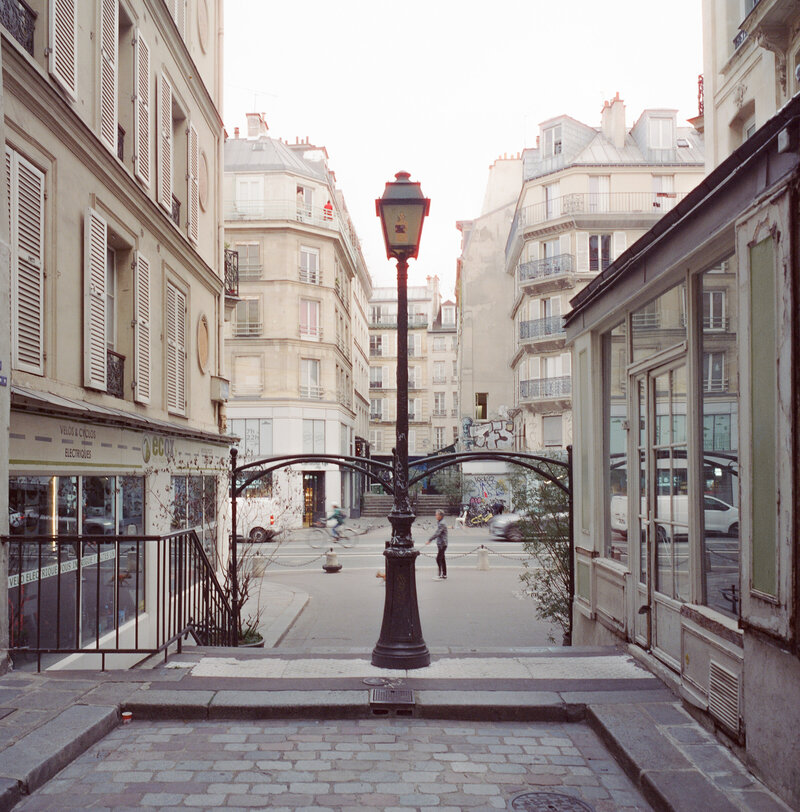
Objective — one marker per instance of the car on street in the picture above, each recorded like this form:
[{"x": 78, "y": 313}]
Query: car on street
[
  {"x": 505, "y": 527},
  {"x": 720, "y": 518}
]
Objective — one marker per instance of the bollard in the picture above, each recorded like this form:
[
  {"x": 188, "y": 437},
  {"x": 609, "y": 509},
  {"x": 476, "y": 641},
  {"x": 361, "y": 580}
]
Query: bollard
[
  {"x": 331, "y": 562},
  {"x": 483, "y": 558}
]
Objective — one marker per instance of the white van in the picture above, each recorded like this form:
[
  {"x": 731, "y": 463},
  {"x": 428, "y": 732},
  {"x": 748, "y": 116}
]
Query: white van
[{"x": 720, "y": 518}]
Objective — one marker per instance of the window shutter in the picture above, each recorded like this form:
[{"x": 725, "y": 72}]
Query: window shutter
[
  {"x": 95, "y": 247},
  {"x": 563, "y": 244},
  {"x": 62, "y": 59},
  {"x": 141, "y": 331},
  {"x": 108, "y": 73},
  {"x": 165, "y": 144},
  {"x": 533, "y": 250},
  {"x": 176, "y": 350},
  {"x": 193, "y": 159},
  {"x": 25, "y": 195},
  {"x": 178, "y": 10},
  {"x": 566, "y": 363},
  {"x": 582, "y": 251},
  {"x": 534, "y": 366},
  {"x": 141, "y": 112},
  {"x": 620, "y": 243}
]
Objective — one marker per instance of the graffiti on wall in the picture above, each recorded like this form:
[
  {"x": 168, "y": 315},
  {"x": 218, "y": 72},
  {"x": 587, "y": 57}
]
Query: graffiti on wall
[
  {"x": 491, "y": 435},
  {"x": 480, "y": 489}
]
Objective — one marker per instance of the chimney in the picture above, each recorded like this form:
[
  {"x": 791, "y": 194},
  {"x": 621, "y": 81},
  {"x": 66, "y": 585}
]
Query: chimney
[
  {"x": 235, "y": 132},
  {"x": 256, "y": 125},
  {"x": 612, "y": 121}
]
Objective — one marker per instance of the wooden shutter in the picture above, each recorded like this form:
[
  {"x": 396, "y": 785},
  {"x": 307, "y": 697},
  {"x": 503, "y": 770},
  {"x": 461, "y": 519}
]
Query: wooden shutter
[
  {"x": 141, "y": 111},
  {"x": 176, "y": 350},
  {"x": 620, "y": 243},
  {"x": 582, "y": 251},
  {"x": 165, "y": 143},
  {"x": 95, "y": 249},
  {"x": 177, "y": 9},
  {"x": 25, "y": 196},
  {"x": 534, "y": 366},
  {"x": 141, "y": 331},
  {"x": 564, "y": 244},
  {"x": 193, "y": 160},
  {"x": 109, "y": 24},
  {"x": 62, "y": 58}
]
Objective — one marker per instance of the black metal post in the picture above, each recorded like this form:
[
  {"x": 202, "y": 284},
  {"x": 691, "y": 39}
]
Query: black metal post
[
  {"x": 400, "y": 644},
  {"x": 571, "y": 544},
  {"x": 234, "y": 566}
]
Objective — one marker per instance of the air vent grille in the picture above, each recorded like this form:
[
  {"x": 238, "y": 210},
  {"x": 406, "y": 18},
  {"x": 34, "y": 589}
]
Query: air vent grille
[{"x": 723, "y": 696}]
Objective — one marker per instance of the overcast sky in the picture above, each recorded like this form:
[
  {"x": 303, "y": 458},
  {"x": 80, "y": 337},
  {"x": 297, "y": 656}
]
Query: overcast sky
[{"x": 442, "y": 88}]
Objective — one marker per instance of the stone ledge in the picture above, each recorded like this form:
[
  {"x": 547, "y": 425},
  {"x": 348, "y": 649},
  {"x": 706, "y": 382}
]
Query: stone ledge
[{"x": 169, "y": 704}]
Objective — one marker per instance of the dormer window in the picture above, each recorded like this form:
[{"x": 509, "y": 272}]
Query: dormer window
[
  {"x": 661, "y": 133},
  {"x": 552, "y": 141},
  {"x": 448, "y": 315}
]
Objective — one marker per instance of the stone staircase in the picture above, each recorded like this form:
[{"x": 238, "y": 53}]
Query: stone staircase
[{"x": 423, "y": 504}]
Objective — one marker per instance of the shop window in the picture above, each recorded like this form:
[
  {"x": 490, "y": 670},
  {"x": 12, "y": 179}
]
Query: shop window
[
  {"x": 313, "y": 436},
  {"x": 194, "y": 500},
  {"x": 255, "y": 436}
]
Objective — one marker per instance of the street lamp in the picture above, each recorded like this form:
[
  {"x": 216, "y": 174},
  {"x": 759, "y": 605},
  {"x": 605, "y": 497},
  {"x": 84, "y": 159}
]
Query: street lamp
[{"x": 402, "y": 210}]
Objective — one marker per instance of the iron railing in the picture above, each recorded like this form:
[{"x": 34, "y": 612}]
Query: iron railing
[
  {"x": 247, "y": 329},
  {"x": 543, "y": 388},
  {"x": 85, "y": 594},
  {"x": 542, "y": 268},
  {"x": 250, "y": 272},
  {"x": 739, "y": 39},
  {"x": 231, "y": 273},
  {"x": 115, "y": 374},
  {"x": 310, "y": 275},
  {"x": 311, "y": 392},
  {"x": 549, "y": 326},
  {"x": 20, "y": 20}
]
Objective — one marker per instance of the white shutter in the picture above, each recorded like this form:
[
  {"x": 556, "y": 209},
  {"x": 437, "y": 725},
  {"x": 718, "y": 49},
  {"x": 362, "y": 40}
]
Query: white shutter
[
  {"x": 177, "y": 9},
  {"x": 534, "y": 367},
  {"x": 176, "y": 350},
  {"x": 25, "y": 195},
  {"x": 62, "y": 59},
  {"x": 141, "y": 111},
  {"x": 141, "y": 331},
  {"x": 95, "y": 249},
  {"x": 109, "y": 11},
  {"x": 193, "y": 160},
  {"x": 566, "y": 363},
  {"x": 620, "y": 243},
  {"x": 582, "y": 251},
  {"x": 563, "y": 244},
  {"x": 555, "y": 305},
  {"x": 533, "y": 250},
  {"x": 165, "y": 143}
]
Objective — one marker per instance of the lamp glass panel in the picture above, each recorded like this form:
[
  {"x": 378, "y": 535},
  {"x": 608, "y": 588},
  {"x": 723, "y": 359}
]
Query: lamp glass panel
[{"x": 402, "y": 224}]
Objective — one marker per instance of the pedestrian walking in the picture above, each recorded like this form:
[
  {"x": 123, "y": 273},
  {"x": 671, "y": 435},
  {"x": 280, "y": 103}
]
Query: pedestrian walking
[{"x": 440, "y": 537}]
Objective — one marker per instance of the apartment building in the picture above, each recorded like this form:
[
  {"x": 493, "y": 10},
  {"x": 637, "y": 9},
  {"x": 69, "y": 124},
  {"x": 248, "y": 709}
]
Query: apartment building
[
  {"x": 432, "y": 387},
  {"x": 587, "y": 193},
  {"x": 686, "y": 393},
  {"x": 297, "y": 347},
  {"x": 114, "y": 375}
]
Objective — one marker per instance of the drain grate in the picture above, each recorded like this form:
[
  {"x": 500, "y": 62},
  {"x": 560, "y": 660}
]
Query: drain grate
[
  {"x": 549, "y": 802},
  {"x": 388, "y": 701}
]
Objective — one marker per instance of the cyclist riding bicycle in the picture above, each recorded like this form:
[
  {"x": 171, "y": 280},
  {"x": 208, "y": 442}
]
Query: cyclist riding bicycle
[{"x": 338, "y": 518}]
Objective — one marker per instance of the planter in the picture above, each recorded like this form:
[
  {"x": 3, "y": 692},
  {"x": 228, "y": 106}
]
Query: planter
[{"x": 252, "y": 644}]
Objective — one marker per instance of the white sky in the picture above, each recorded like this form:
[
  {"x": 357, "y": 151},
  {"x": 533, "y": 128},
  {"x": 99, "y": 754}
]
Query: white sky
[{"x": 442, "y": 88}]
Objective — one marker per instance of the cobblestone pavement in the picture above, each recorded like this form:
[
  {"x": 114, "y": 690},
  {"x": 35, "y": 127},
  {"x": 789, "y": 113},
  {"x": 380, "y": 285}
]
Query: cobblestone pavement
[{"x": 338, "y": 765}]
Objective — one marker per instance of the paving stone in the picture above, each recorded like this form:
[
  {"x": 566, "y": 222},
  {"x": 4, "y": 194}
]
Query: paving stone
[{"x": 684, "y": 791}]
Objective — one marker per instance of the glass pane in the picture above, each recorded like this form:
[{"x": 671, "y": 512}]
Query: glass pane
[
  {"x": 720, "y": 453},
  {"x": 132, "y": 553},
  {"x": 659, "y": 324}
]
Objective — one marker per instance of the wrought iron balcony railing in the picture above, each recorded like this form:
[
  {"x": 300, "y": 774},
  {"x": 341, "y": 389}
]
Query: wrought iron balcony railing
[
  {"x": 558, "y": 265},
  {"x": 20, "y": 20},
  {"x": 311, "y": 392},
  {"x": 376, "y": 384},
  {"x": 310, "y": 275},
  {"x": 231, "y": 273},
  {"x": 310, "y": 331},
  {"x": 250, "y": 272},
  {"x": 544, "y": 388},
  {"x": 550, "y": 326},
  {"x": 247, "y": 329},
  {"x": 115, "y": 374}
]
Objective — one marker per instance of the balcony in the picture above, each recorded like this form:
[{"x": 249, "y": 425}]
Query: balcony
[
  {"x": 250, "y": 272},
  {"x": 20, "y": 20},
  {"x": 439, "y": 379},
  {"x": 550, "y": 327},
  {"x": 311, "y": 392},
  {"x": 310, "y": 332},
  {"x": 344, "y": 346},
  {"x": 247, "y": 329},
  {"x": 311, "y": 276},
  {"x": 440, "y": 413},
  {"x": 376, "y": 415},
  {"x": 231, "y": 273},
  {"x": 561, "y": 266},
  {"x": 453, "y": 412},
  {"x": 376, "y": 384},
  {"x": 546, "y": 388},
  {"x": 115, "y": 374},
  {"x": 383, "y": 320},
  {"x": 376, "y": 352},
  {"x": 416, "y": 320}
]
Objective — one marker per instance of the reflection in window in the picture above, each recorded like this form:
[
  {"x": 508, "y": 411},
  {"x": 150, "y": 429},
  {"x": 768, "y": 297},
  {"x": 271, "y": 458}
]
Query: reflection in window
[
  {"x": 720, "y": 453},
  {"x": 615, "y": 357},
  {"x": 660, "y": 324}
]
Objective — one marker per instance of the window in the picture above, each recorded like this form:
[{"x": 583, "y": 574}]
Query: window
[
  {"x": 376, "y": 377},
  {"x": 714, "y": 310},
  {"x": 111, "y": 292},
  {"x": 376, "y": 346},
  {"x": 439, "y": 344},
  {"x": 552, "y": 201},
  {"x": 413, "y": 378},
  {"x": 551, "y": 431},
  {"x": 481, "y": 405},
  {"x": 309, "y": 320},
  {"x": 309, "y": 379},
  {"x": 248, "y": 318},
  {"x": 455, "y": 434},
  {"x": 439, "y": 371},
  {"x": 194, "y": 501},
  {"x": 412, "y": 441},
  {"x": 448, "y": 315},
  {"x": 414, "y": 345},
  {"x": 438, "y": 437},
  {"x": 309, "y": 265},
  {"x": 599, "y": 252},
  {"x": 176, "y": 350},
  {"x": 455, "y": 371},
  {"x": 249, "y": 196},
  {"x": 661, "y": 133},
  {"x": 305, "y": 200},
  {"x": 25, "y": 193},
  {"x": 255, "y": 434},
  {"x": 376, "y": 440},
  {"x": 376, "y": 408},
  {"x": 599, "y": 186},
  {"x": 714, "y": 372},
  {"x": 438, "y": 404},
  {"x": 552, "y": 141},
  {"x": 249, "y": 260},
  {"x": 616, "y": 416},
  {"x": 455, "y": 404},
  {"x": 313, "y": 436},
  {"x": 247, "y": 375},
  {"x": 414, "y": 409}
]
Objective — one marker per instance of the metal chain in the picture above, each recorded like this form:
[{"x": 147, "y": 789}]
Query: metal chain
[{"x": 274, "y": 560}]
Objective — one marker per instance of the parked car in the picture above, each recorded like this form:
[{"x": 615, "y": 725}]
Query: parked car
[
  {"x": 721, "y": 518},
  {"x": 16, "y": 521},
  {"x": 505, "y": 527}
]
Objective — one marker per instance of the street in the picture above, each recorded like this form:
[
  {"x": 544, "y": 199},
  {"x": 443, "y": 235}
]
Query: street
[{"x": 471, "y": 609}]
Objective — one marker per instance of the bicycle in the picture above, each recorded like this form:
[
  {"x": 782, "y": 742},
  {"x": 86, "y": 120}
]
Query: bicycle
[
  {"x": 322, "y": 536},
  {"x": 479, "y": 519}
]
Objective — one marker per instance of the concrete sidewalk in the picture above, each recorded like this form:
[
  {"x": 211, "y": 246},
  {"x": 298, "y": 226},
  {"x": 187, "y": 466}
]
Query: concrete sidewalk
[{"x": 49, "y": 719}]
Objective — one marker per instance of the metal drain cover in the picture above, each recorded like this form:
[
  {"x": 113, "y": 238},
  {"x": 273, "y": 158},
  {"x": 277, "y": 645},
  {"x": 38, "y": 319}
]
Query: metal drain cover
[
  {"x": 391, "y": 696},
  {"x": 549, "y": 802}
]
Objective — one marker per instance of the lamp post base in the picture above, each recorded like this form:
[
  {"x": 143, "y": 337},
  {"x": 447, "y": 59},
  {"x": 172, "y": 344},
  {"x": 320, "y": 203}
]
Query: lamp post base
[{"x": 400, "y": 644}]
